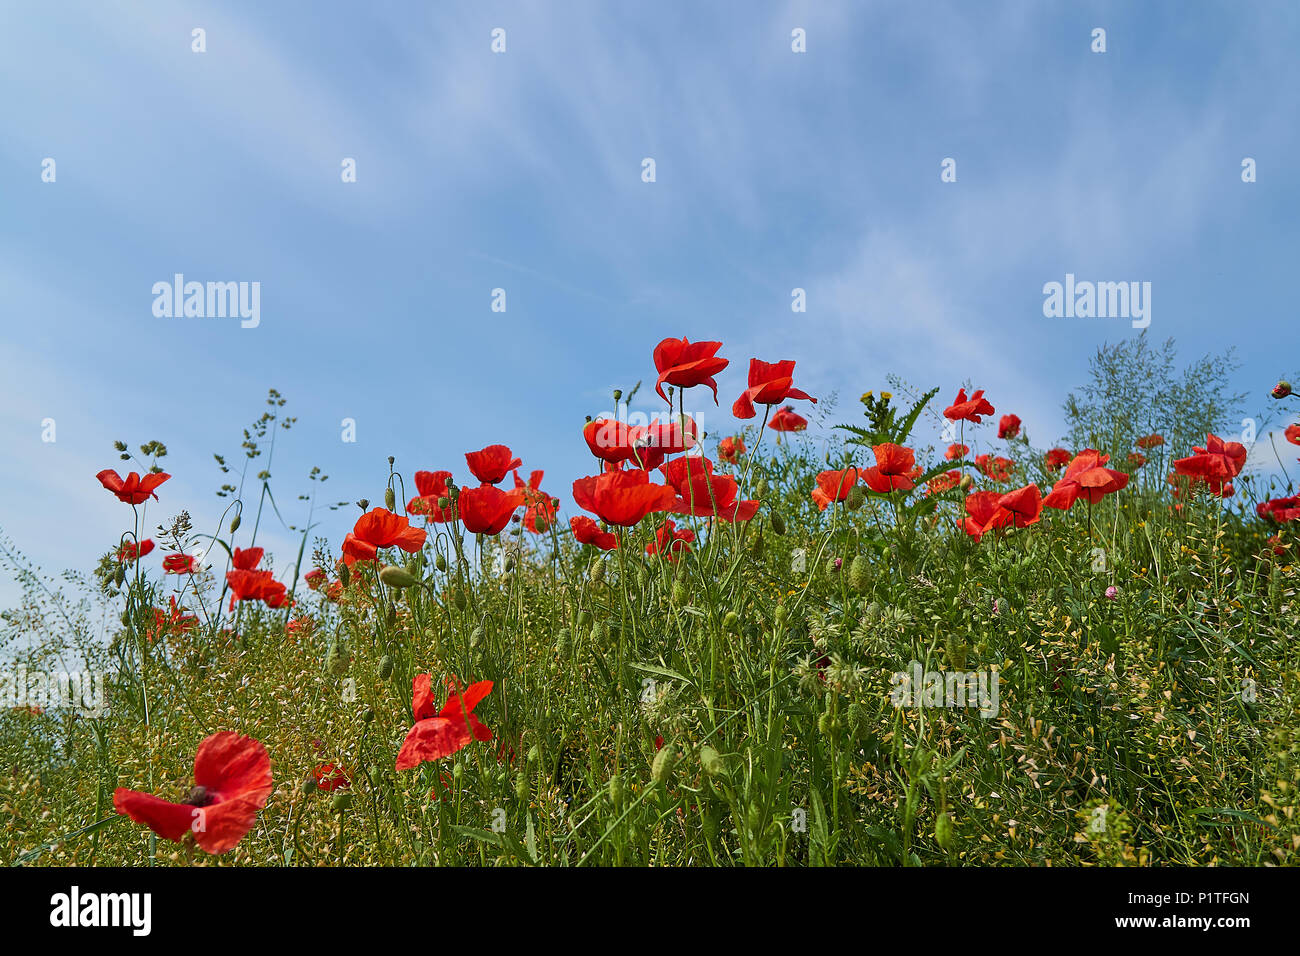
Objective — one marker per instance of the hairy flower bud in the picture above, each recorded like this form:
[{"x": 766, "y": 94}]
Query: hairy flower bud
[
  {"x": 662, "y": 766},
  {"x": 1281, "y": 389},
  {"x": 778, "y": 523},
  {"x": 396, "y": 577}
]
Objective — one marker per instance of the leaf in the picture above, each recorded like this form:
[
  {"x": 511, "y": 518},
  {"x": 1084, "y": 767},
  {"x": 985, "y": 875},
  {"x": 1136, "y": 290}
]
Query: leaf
[{"x": 661, "y": 671}]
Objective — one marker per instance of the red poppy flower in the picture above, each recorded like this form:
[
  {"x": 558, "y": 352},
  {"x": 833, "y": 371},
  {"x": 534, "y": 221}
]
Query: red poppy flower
[
  {"x": 432, "y": 488},
  {"x": 622, "y": 497},
  {"x": 1086, "y": 478},
  {"x": 174, "y": 619},
  {"x": 1293, "y": 434},
  {"x": 334, "y": 591},
  {"x": 1136, "y": 459},
  {"x": 1055, "y": 458},
  {"x": 537, "y": 503},
  {"x": 134, "y": 490},
  {"x": 129, "y": 552},
  {"x": 180, "y": 564},
  {"x": 1150, "y": 441},
  {"x": 1280, "y": 510},
  {"x": 586, "y": 531},
  {"x": 491, "y": 464},
  {"x": 984, "y": 514},
  {"x": 943, "y": 482},
  {"x": 315, "y": 578},
  {"x": 834, "y": 486},
  {"x": 1009, "y": 426},
  {"x": 686, "y": 364},
  {"x": 968, "y": 409},
  {"x": 487, "y": 509},
  {"x": 955, "y": 451},
  {"x": 893, "y": 469},
  {"x": 702, "y": 493},
  {"x": 380, "y": 528},
  {"x": 786, "y": 420},
  {"x": 246, "y": 560},
  {"x": 1024, "y": 505},
  {"x": 439, "y": 734},
  {"x": 232, "y": 780},
  {"x": 997, "y": 468},
  {"x": 251, "y": 585},
  {"x": 330, "y": 777},
  {"x": 669, "y": 541},
  {"x": 770, "y": 383},
  {"x": 1214, "y": 464},
  {"x": 615, "y": 442},
  {"x": 730, "y": 449}
]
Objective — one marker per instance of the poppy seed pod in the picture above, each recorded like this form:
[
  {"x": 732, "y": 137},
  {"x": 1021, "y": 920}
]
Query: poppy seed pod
[
  {"x": 856, "y": 498},
  {"x": 444, "y": 503},
  {"x": 778, "y": 523},
  {"x": 341, "y": 802},
  {"x": 364, "y": 504},
  {"x": 662, "y": 766},
  {"x": 396, "y": 577}
]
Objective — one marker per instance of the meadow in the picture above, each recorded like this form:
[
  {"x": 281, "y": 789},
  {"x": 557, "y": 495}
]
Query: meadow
[{"x": 919, "y": 641}]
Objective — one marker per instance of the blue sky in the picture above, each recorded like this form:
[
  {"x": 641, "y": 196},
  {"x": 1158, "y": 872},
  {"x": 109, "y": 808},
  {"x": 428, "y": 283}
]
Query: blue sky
[{"x": 522, "y": 171}]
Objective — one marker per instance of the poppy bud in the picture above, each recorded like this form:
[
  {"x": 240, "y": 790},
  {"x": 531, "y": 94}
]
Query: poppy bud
[
  {"x": 540, "y": 524},
  {"x": 856, "y": 498},
  {"x": 341, "y": 802},
  {"x": 781, "y": 614},
  {"x": 336, "y": 658},
  {"x": 760, "y": 488},
  {"x": 376, "y": 777},
  {"x": 778, "y": 523},
  {"x": 662, "y": 766},
  {"x": 596, "y": 573},
  {"x": 643, "y": 577},
  {"x": 458, "y": 772},
  {"x": 396, "y": 577},
  {"x": 234, "y": 524},
  {"x": 712, "y": 762},
  {"x": 756, "y": 546},
  {"x": 563, "y": 643},
  {"x": 597, "y": 635},
  {"x": 309, "y": 786},
  {"x": 440, "y": 563},
  {"x": 345, "y": 576},
  {"x": 859, "y": 574},
  {"x": 966, "y": 483},
  {"x": 476, "y": 636},
  {"x": 368, "y": 715},
  {"x": 618, "y": 394},
  {"x": 1281, "y": 389},
  {"x": 385, "y": 667},
  {"x": 119, "y": 577},
  {"x": 710, "y": 825},
  {"x": 521, "y": 787},
  {"x": 943, "y": 830},
  {"x": 680, "y": 593},
  {"x": 534, "y": 753},
  {"x": 459, "y": 599},
  {"x": 854, "y": 716},
  {"x": 390, "y": 499},
  {"x": 616, "y": 791},
  {"x": 731, "y": 622},
  {"x": 391, "y": 618},
  {"x": 584, "y": 618}
]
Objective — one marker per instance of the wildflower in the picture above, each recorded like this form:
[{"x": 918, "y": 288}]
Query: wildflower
[
  {"x": 1055, "y": 458},
  {"x": 1293, "y": 434},
  {"x": 833, "y": 486},
  {"x": 786, "y": 420},
  {"x": 171, "y": 620},
  {"x": 1112, "y": 593},
  {"x": 686, "y": 364},
  {"x": 943, "y": 482},
  {"x": 439, "y": 734},
  {"x": 1280, "y": 510},
  {"x": 670, "y": 541},
  {"x": 487, "y": 509},
  {"x": 770, "y": 383},
  {"x": 330, "y": 777},
  {"x": 378, "y": 529},
  {"x": 1024, "y": 505},
  {"x": 956, "y": 451},
  {"x": 246, "y": 560},
  {"x": 892, "y": 471},
  {"x": 232, "y": 777},
  {"x": 964, "y": 409},
  {"x": 315, "y": 578},
  {"x": 489, "y": 465},
  {"x": 730, "y": 449},
  {"x": 1214, "y": 464},
  {"x": 983, "y": 514},
  {"x": 1136, "y": 459},
  {"x": 129, "y": 551},
  {"x": 540, "y": 508},
  {"x": 586, "y": 531},
  {"x": 997, "y": 468},
  {"x": 623, "y": 497},
  {"x": 1281, "y": 390},
  {"x": 133, "y": 490},
  {"x": 253, "y": 585},
  {"x": 702, "y": 493},
  {"x": 1009, "y": 426},
  {"x": 1147, "y": 442},
  {"x": 1086, "y": 477},
  {"x": 432, "y": 488},
  {"x": 180, "y": 564}
]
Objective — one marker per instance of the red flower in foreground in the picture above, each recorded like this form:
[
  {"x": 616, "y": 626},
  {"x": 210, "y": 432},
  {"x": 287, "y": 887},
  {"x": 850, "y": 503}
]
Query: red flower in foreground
[
  {"x": 834, "y": 486},
  {"x": 669, "y": 541},
  {"x": 1150, "y": 441},
  {"x": 1293, "y": 434},
  {"x": 1009, "y": 426},
  {"x": 968, "y": 409},
  {"x": 730, "y": 449},
  {"x": 180, "y": 564},
  {"x": 622, "y": 497},
  {"x": 786, "y": 420},
  {"x": 1280, "y": 509},
  {"x": 893, "y": 469},
  {"x": 250, "y": 585},
  {"x": 439, "y": 734},
  {"x": 770, "y": 383},
  {"x": 134, "y": 490},
  {"x": 1024, "y": 505},
  {"x": 491, "y": 464},
  {"x": 686, "y": 364},
  {"x": 246, "y": 560},
  {"x": 380, "y": 528},
  {"x": 330, "y": 777},
  {"x": 432, "y": 488},
  {"x": 1215, "y": 464},
  {"x": 702, "y": 493},
  {"x": 129, "y": 552},
  {"x": 1055, "y": 458},
  {"x": 983, "y": 514},
  {"x": 487, "y": 509},
  {"x": 586, "y": 531},
  {"x": 1086, "y": 478},
  {"x": 232, "y": 777},
  {"x": 538, "y": 504},
  {"x": 956, "y": 450}
]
